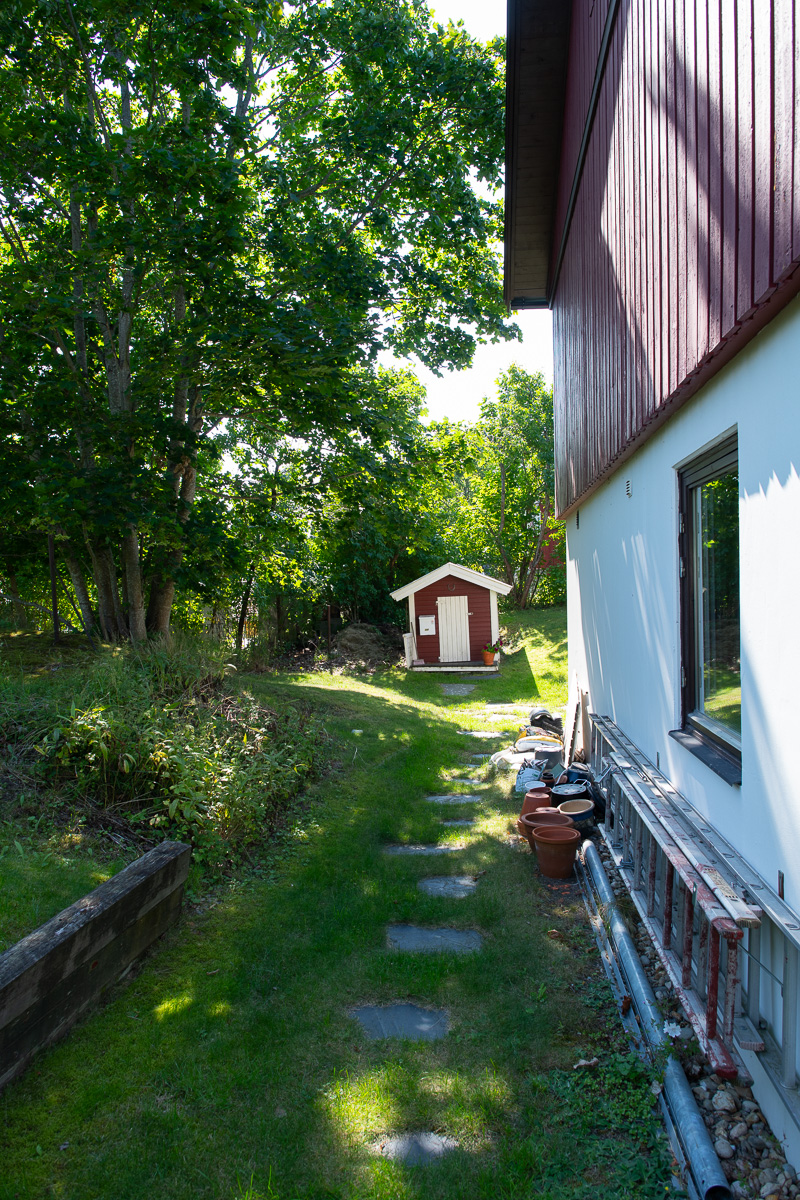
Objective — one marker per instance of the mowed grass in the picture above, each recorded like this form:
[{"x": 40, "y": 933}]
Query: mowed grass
[{"x": 231, "y": 1068}]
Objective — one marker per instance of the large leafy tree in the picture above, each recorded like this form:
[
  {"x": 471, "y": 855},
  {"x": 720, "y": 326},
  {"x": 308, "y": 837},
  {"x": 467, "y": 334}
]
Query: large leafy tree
[
  {"x": 494, "y": 489},
  {"x": 341, "y": 517},
  {"x": 214, "y": 211}
]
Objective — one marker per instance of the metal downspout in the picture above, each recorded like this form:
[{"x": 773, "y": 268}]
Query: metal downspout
[{"x": 700, "y": 1153}]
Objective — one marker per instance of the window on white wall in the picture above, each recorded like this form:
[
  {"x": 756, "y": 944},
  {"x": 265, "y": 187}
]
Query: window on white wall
[{"x": 709, "y": 547}]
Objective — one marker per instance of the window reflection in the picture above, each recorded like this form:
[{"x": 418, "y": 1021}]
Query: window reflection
[{"x": 716, "y": 581}]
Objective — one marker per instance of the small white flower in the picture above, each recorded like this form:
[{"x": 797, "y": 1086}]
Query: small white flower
[{"x": 671, "y": 1029}]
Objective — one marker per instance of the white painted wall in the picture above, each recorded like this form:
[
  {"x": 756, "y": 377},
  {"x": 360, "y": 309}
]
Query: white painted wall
[{"x": 623, "y": 614}]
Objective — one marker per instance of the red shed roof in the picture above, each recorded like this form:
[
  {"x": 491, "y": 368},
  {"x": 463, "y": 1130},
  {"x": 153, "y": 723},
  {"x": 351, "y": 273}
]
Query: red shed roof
[{"x": 465, "y": 573}]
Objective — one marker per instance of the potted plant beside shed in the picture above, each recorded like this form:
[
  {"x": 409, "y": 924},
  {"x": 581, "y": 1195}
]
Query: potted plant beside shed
[{"x": 489, "y": 651}]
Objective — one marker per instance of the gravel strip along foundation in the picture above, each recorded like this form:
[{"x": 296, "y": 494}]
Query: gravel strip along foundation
[{"x": 752, "y": 1159}]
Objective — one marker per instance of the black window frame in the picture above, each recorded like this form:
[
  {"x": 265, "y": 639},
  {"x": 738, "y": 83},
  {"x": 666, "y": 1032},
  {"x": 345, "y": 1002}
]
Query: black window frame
[{"x": 724, "y": 757}]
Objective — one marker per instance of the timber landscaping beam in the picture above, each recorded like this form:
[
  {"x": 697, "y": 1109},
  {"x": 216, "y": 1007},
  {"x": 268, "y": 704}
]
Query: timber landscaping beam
[{"x": 52, "y": 976}]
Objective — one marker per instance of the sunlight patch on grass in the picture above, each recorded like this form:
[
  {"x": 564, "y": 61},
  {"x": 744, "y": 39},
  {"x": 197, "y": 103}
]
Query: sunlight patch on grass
[
  {"x": 173, "y": 1007},
  {"x": 221, "y": 1009}
]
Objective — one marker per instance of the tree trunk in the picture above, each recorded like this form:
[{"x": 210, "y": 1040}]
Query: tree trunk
[
  {"x": 159, "y": 607},
  {"x": 112, "y": 619},
  {"x": 16, "y": 599},
  {"x": 133, "y": 579},
  {"x": 533, "y": 569},
  {"x": 243, "y": 611},
  {"x": 181, "y": 468},
  {"x": 81, "y": 590}
]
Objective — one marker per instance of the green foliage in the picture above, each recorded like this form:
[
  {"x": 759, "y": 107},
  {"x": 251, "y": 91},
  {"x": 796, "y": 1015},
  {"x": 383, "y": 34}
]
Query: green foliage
[
  {"x": 495, "y": 486},
  {"x": 155, "y": 738},
  {"x": 214, "y": 212}
]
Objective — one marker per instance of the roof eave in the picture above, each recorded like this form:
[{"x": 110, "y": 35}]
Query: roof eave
[{"x": 536, "y": 72}]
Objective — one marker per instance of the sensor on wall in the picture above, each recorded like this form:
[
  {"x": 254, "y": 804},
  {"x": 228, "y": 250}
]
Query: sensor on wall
[{"x": 427, "y": 626}]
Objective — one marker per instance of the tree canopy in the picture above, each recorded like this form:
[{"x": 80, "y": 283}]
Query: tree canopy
[{"x": 214, "y": 213}]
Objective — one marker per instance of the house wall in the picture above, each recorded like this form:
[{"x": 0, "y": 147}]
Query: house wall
[
  {"x": 480, "y": 621},
  {"x": 623, "y": 599},
  {"x": 685, "y": 236},
  {"x": 624, "y": 631}
]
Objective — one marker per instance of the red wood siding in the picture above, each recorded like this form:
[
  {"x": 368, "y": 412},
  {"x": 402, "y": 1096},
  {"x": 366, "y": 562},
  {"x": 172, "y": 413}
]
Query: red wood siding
[
  {"x": 685, "y": 237},
  {"x": 480, "y": 622}
]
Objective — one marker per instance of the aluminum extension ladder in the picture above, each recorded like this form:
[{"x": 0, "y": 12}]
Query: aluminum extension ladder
[{"x": 688, "y": 908}]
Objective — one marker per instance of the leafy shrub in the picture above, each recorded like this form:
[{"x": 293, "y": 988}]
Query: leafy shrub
[
  {"x": 552, "y": 587},
  {"x": 157, "y": 738}
]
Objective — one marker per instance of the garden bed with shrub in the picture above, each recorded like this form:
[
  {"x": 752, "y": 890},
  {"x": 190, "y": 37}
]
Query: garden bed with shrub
[{"x": 160, "y": 742}]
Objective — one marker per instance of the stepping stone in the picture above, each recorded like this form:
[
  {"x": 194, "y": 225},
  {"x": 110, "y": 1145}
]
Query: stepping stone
[
  {"x": 480, "y": 733},
  {"x": 416, "y": 1149},
  {"x": 471, "y": 782},
  {"x": 407, "y": 1021},
  {"x": 453, "y": 798},
  {"x": 453, "y": 886},
  {"x": 466, "y": 821},
  {"x": 458, "y": 689},
  {"x": 413, "y": 939},
  {"x": 479, "y": 757},
  {"x": 420, "y": 849}
]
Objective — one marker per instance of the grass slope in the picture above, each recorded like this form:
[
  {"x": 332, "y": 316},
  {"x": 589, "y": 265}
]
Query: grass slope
[{"x": 231, "y": 1068}]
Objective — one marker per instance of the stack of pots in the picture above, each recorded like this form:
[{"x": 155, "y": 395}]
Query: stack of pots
[
  {"x": 550, "y": 833},
  {"x": 575, "y": 801}
]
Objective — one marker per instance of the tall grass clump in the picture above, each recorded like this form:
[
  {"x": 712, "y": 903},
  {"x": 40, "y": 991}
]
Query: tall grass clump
[{"x": 156, "y": 739}]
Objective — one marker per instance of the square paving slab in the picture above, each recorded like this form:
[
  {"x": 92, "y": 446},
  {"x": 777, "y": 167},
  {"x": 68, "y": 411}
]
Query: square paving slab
[
  {"x": 420, "y": 849},
  {"x": 458, "y": 689},
  {"x": 414, "y": 939},
  {"x": 407, "y": 1021},
  {"x": 464, "y": 821},
  {"x": 455, "y": 798},
  {"x": 416, "y": 1149},
  {"x": 454, "y": 886}
]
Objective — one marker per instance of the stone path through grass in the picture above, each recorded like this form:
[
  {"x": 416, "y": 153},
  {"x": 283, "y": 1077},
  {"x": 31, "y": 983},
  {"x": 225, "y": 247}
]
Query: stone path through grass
[
  {"x": 408, "y": 1021},
  {"x": 234, "y": 1066}
]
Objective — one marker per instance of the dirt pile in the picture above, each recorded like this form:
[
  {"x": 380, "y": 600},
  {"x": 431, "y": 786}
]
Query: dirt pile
[{"x": 367, "y": 646}]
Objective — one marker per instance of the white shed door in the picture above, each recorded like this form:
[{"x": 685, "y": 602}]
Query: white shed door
[{"x": 453, "y": 628}]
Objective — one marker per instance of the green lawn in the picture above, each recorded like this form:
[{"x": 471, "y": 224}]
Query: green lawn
[{"x": 230, "y": 1066}]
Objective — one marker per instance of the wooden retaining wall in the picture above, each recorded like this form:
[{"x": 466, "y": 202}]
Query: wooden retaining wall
[{"x": 55, "y": 973}]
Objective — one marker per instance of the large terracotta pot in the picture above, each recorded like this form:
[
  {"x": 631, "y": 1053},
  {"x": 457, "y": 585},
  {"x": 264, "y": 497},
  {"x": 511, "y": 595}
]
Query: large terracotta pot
[
  {"x": 536, "y": 797},
  {"x": 555, "y": 850},
  {"x": 540, "y": 819},
  {"x": 488, "y": 658}
]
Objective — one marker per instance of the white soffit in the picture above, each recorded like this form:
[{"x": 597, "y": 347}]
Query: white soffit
[{"x": 465, "y": 573}]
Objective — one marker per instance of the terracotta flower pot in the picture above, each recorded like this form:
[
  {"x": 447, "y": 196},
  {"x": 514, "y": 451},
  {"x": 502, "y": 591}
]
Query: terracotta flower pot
[
  {"x": 542, "y": 818},
  {"x": 555, "y": 850},
  {"x": 488, "y": 658},
  {"x": 538, "y": 797}
]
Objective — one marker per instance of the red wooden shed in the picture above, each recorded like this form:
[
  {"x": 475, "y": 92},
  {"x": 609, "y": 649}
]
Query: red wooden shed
[{"x": 452, "y": 614}]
